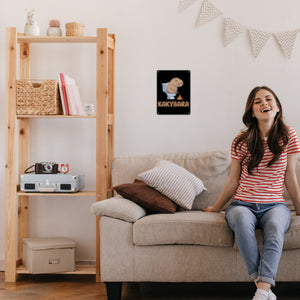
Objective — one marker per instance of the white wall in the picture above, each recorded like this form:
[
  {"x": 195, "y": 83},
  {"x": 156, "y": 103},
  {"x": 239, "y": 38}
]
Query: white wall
[{"x": 151, "y": 36}]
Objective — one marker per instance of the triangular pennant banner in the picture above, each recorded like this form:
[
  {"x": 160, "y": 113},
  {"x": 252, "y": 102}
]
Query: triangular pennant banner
[
  {"x": 286, "y": 41},
  {"x": 232, "y": 30},
  {"x": 207, "y": 13},
  {"x": 183, "y": 4},
  {"x": 259, "y": 39}
]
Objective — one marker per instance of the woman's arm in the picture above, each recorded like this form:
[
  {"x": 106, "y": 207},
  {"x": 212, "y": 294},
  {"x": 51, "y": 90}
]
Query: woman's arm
[
  {"x": 230, "y": 187},
  {"x": 291, "y": 181}
]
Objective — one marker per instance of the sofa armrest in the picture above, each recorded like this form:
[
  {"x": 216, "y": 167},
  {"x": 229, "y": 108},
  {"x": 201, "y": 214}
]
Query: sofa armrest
[{"x": 118, "y": 208}]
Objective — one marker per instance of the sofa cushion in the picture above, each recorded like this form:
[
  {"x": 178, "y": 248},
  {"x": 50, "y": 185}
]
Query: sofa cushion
[
  {"x": 291, "y": 239},
  {"x": 119, "y": 208},
  {"x": 212, "y": 167},
  {"x": 175, "y": 182},
  {"x": 214, "y": 187},
  {"x": 186, "y": 227},
  {"x": 147, "y": 197}
]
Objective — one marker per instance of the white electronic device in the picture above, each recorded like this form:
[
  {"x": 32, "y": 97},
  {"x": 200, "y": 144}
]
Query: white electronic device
[{"x": 52, "y": 183}]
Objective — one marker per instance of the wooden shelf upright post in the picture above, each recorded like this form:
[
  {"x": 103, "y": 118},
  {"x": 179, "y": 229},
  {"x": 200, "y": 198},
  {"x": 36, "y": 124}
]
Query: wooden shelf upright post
[
  {"x": 11, "y": 156},
  {"x": 104, "y": 126},
  {"x": 24, "y": 131}
]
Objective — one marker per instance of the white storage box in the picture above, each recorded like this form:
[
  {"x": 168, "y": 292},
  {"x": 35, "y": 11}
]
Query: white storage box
[{"x": 48, "y": 255}]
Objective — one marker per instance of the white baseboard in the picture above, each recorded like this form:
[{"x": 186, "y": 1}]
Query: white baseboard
[{"x": 1, "y": 265}]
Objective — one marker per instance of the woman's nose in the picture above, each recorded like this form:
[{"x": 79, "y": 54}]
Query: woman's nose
[{"x": 264, "y": 103}]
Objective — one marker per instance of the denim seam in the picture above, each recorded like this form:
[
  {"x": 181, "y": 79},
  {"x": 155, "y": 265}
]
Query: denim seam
[{"x": 261, "y": 262}]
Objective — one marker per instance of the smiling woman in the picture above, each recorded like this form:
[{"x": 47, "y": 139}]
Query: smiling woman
[
  {"x": 260, "y": 125},
  {"x": 263, "y": 160},
  {"x": 264, "y": 108}
]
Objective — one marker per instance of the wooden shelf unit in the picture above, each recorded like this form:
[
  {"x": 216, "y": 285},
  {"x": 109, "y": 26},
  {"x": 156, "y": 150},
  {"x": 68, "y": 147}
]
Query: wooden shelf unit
[{"x": 17, "y": 202}]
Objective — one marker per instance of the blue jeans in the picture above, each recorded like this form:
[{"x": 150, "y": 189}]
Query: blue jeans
[{"x": 274, "y": 220}]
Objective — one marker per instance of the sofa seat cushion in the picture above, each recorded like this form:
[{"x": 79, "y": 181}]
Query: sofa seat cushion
[
  {"x": 185, "y": 227},
  {"x": 291, "y": 239}
]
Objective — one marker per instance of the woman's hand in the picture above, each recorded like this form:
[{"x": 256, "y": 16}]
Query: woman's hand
[
  {"x": 229, "y": 189},
  {"x": 211, "y": 209}
]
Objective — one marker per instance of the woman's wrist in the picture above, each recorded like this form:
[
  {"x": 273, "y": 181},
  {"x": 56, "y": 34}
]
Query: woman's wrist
[{"x": 216, "y": 208}]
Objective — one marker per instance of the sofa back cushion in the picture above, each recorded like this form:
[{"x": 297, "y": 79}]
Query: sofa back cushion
[{"x": 211, "y": 167}]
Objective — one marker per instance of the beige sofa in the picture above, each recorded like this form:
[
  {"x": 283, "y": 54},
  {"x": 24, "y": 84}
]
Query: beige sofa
[{"x": 188, "y": 246}]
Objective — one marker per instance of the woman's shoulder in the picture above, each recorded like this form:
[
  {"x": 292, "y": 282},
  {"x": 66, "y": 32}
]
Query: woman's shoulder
[
  {"x": 292, "y": 131},
  {"x": 240, "y": 140},
  {"x": 240, "y": 133}
]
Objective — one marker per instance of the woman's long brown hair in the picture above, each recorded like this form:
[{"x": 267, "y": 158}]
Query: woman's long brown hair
[{"x": 277, "y": 140}]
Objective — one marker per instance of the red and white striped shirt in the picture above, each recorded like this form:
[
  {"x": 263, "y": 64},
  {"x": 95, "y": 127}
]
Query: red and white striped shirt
[{"x": 265, "y": 185}]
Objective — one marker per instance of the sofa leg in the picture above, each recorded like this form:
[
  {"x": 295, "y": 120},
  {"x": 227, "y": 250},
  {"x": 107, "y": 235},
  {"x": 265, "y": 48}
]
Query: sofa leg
[{"x": 113, "y": 290}]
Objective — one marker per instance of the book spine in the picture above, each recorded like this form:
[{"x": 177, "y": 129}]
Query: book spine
[
  {"x": 63, "y": 87},
  {"x": 61, "y": 95}
]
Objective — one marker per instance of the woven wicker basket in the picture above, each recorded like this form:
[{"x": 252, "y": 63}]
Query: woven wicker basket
[
  {"x": 74, "y": 29},
  {"x": 38, "y": 98}
]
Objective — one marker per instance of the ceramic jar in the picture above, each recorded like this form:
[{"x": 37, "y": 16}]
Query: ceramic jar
[
  {"x": 32, "y": 29},
  {"x": 54, "y": 28},
  {"x": 54, "y": 31}
]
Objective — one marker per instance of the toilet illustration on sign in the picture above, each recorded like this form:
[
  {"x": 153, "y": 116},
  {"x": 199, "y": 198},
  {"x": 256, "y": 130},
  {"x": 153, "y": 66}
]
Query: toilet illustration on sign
[{"x": 171, "y": 88}]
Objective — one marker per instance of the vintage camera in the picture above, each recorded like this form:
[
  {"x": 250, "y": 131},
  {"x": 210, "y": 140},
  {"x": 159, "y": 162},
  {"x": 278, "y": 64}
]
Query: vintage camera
[{"x": 46, "y": 168}]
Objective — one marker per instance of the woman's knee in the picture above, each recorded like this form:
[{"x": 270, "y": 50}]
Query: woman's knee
[
  {"x": 240, "y": 217},
  {"x": 277, "y": 220}
]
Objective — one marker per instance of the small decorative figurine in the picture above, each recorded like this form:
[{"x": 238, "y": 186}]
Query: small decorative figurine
[
  {"x": 31, "y": 27},
  {"x": 54, "y": 28}
]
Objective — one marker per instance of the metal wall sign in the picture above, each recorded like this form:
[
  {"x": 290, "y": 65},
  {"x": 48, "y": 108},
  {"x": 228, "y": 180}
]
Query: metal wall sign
[{"x": 173, "y": 92}]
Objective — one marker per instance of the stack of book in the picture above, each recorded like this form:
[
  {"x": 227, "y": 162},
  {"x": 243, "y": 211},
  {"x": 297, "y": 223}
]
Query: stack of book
[{"x": 70, "y": 97}]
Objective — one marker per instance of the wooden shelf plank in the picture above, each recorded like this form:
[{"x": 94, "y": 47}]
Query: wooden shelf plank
[
  {"x": 80, "y": 270},
  {"x": 77, "y": 194},
  {"x": 56, "y": 39},
  {"x": 63, "y": 39},
  {"x": 53, "y": 116}
]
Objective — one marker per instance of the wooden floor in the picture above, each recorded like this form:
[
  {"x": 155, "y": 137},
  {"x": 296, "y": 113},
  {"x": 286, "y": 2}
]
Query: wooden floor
[{"x": 31, "y": 287}]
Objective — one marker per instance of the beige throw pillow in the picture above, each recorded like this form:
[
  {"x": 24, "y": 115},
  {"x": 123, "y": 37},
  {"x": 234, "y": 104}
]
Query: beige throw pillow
[{"x": 175, "y": 182}]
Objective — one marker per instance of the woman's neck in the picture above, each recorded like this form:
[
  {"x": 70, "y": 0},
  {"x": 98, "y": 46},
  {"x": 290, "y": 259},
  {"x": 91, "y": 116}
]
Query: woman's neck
[{"x": 265, "y": 127}]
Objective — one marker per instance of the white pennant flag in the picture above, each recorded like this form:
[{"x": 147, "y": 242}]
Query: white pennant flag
[
  {"x": 259, "y": 39},
  {"x": 207, "y": 13},
  {"x": 232, "y": 30},
  {"x": 286, "y": 41},
  {"x": 183, "y": 4}
]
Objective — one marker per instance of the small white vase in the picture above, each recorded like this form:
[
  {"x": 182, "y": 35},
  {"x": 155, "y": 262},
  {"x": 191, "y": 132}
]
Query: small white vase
[
  {"x": 32, "y": 29},
  {"x": 54, "y": 31}
]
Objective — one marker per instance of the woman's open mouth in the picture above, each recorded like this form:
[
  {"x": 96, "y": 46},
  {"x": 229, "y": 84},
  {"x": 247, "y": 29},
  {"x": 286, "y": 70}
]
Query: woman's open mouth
[{"x": 266, "y": 110}]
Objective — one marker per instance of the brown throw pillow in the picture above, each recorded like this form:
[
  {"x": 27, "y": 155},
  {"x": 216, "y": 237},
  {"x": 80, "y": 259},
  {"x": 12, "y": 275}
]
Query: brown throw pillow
[{"x": 147, "y": 197}]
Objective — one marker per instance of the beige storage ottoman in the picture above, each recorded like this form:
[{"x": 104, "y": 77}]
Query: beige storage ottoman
[{"x": 48, "y": 255}]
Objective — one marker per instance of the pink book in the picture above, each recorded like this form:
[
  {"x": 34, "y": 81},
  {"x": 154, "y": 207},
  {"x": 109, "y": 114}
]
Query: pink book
[
  {"x": 64, "y": 94},
  {"x": 74, "y": 101}
]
